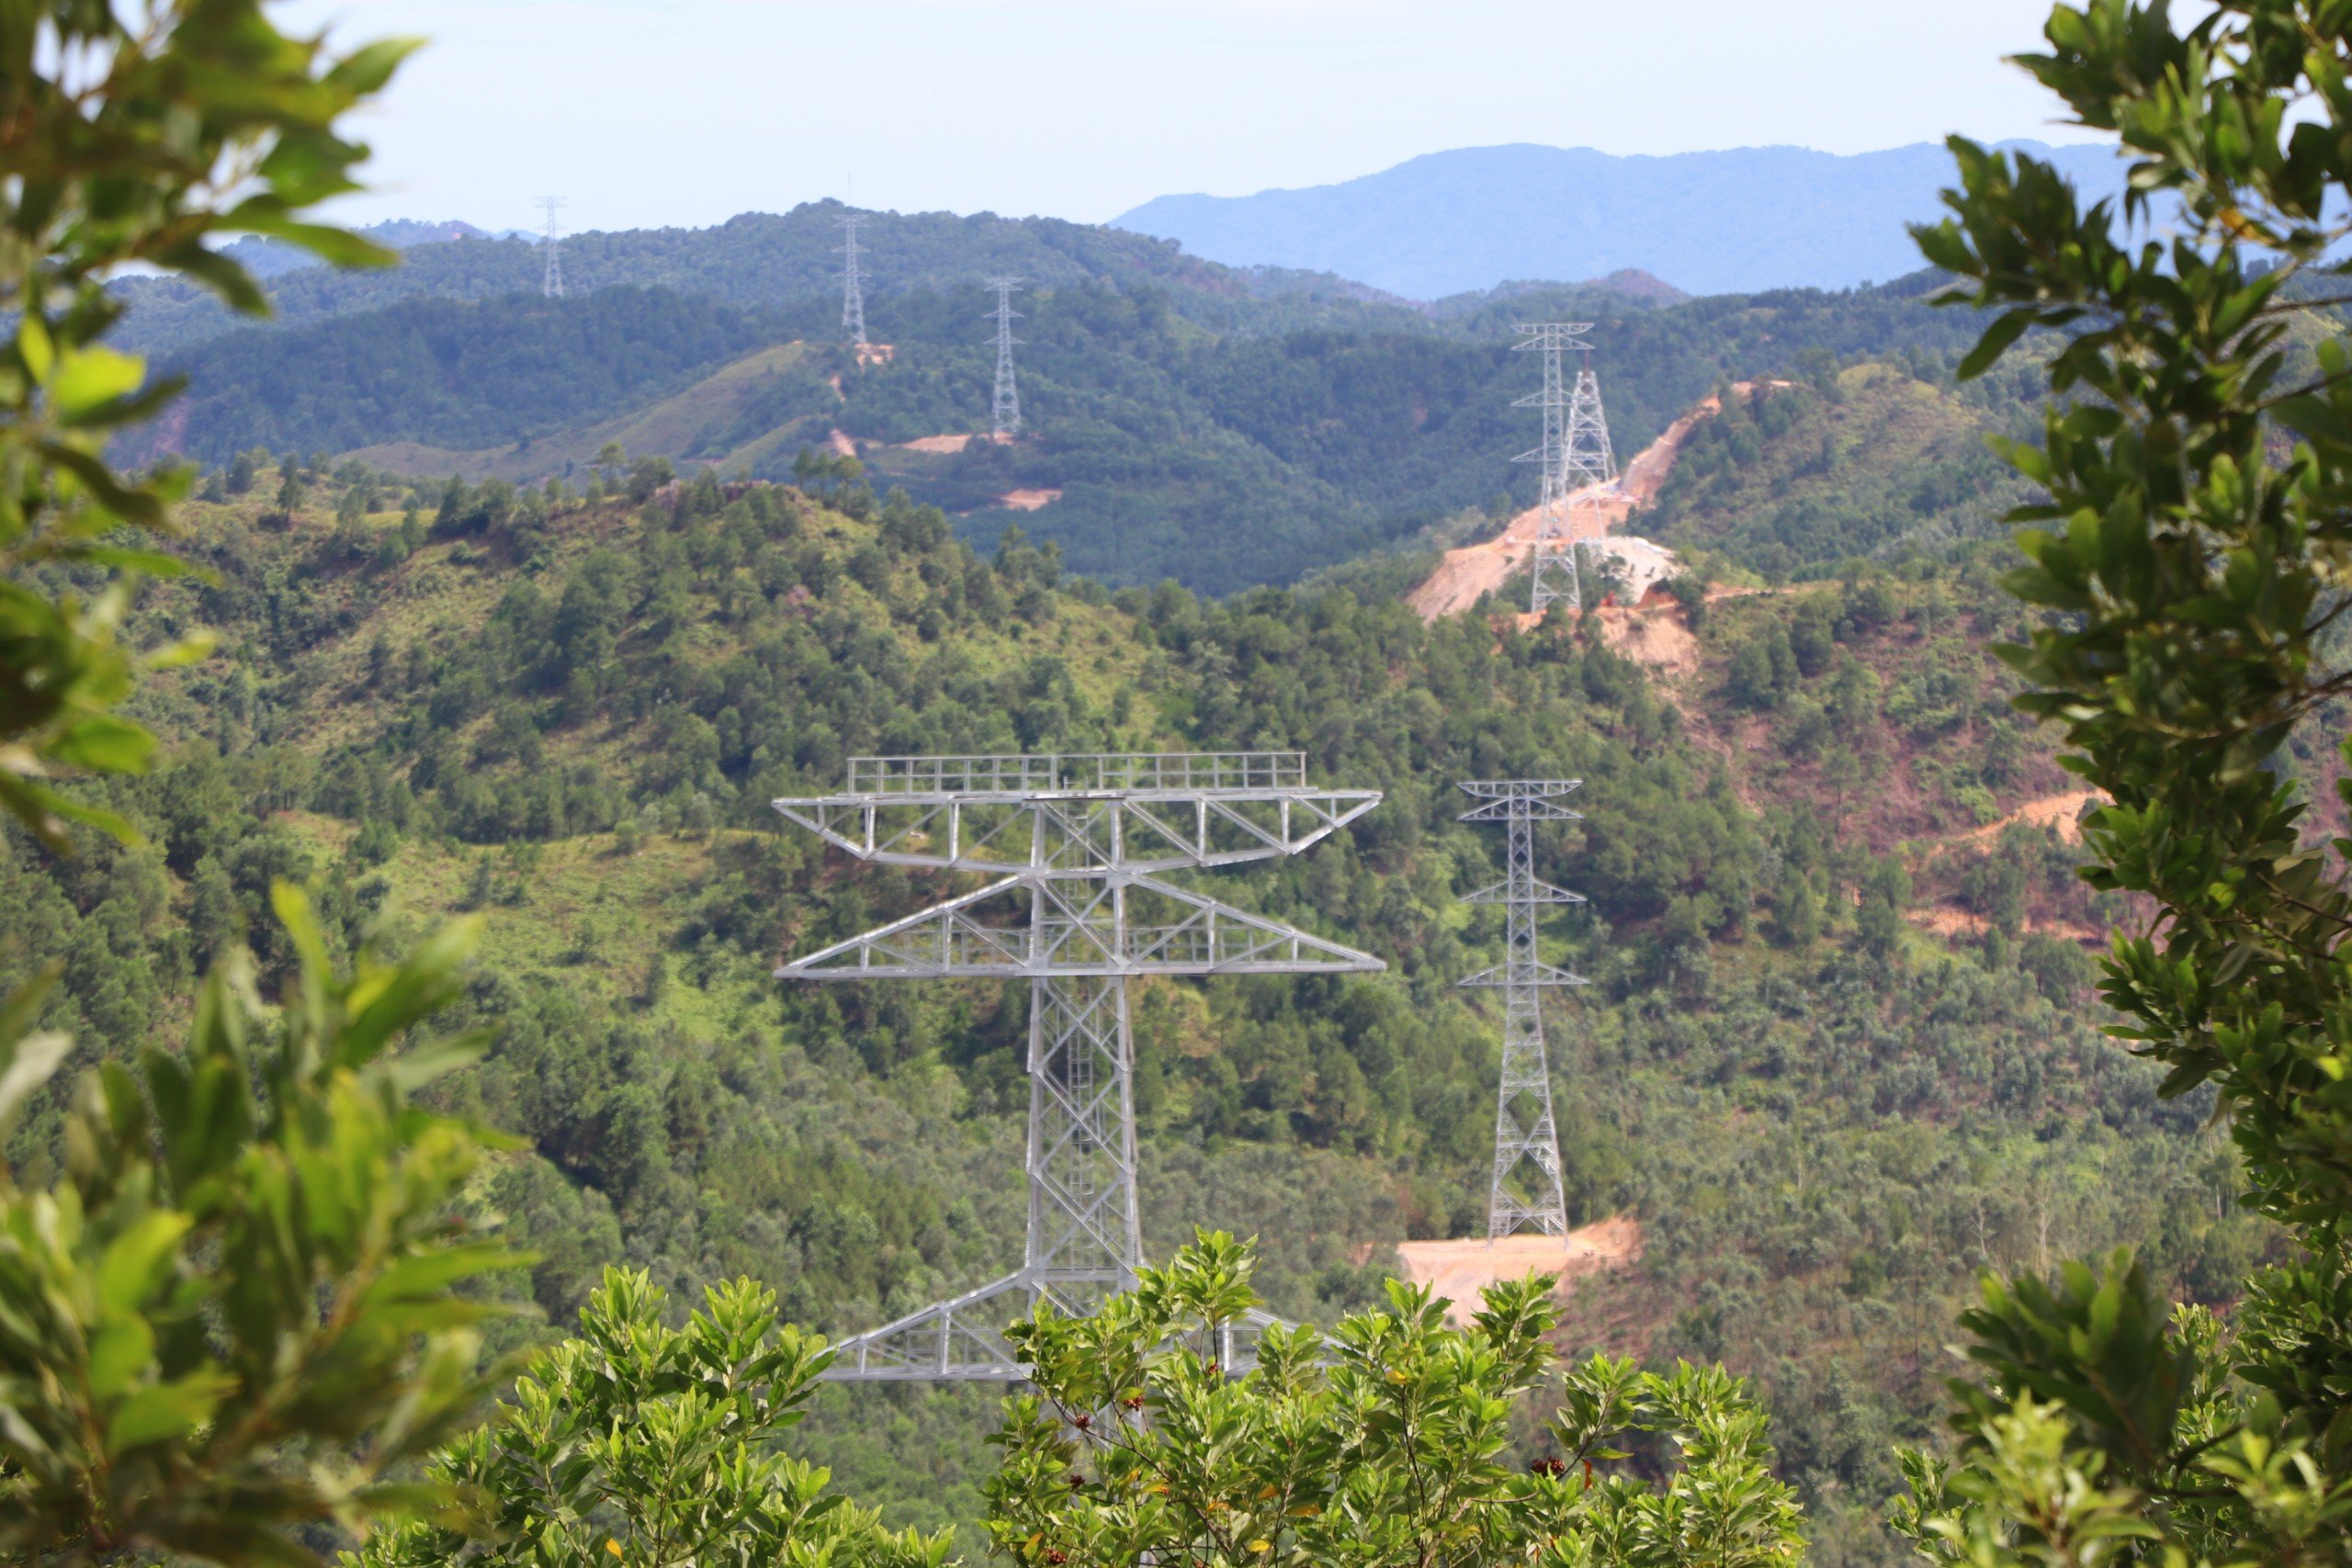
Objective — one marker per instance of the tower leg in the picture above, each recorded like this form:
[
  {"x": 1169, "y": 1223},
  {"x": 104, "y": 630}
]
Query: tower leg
[
  {"x": 1557, "y": 579},
  {"x": 1527, "y": 1193},
  {"x": 1085, "y": 1236},
  {"x": 1085, "y": 1231}
]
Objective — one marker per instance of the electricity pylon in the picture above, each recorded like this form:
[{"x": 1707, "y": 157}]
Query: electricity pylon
[
  {"x": 552, "y": 284},
  {"x": 1527, "y": 1193},
  {"x": 1079, "y": 844},
  {"x": 853, "y": 279},
  {"x": 1577, "y": 466},
  {"x": 1005, "y": 411}
]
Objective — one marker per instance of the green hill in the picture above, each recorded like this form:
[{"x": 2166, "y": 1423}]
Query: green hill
[
  {"x": 1181, "y": 421},
  {"x": 765, "y": 259},
  {"x": 1822, "y": 1115}
]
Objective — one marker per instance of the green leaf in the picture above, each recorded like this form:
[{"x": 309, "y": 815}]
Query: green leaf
[
  {"x": 130, "y": 1268},
  {"x": 166, "y": 1410},
  {"x": 105, "y": 744},
  {"x": 119, "y": 1352},
  {"x": 1995, "y": 344},
  {"x": 34, "y": 348},
  {"x": 366, "y": 70},
  {"x": 27, "y": 1063},
  {"x": 89, "y": 377}
]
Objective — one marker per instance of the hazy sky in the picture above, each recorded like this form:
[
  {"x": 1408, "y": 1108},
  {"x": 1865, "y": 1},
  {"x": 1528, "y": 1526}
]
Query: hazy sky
[{"x": 646, "y": 112}]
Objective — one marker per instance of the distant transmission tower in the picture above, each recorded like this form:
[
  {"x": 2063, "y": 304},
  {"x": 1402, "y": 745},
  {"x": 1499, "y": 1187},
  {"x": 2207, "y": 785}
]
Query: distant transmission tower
[
  {"x": 853, "y": 279},
  {"x": 1577, "y": 465},
  {"x": 553, "y": 286},
  {"x": 1077, "y": 848},
  {"x": 1526, "y": 1194},
  {"x": 1006, "y": 410}
]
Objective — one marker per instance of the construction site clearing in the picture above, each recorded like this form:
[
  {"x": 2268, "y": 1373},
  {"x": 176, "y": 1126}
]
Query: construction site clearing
[
  {"x": 1466, "y": 575},
  {"x": 1459, "y": 1271}
]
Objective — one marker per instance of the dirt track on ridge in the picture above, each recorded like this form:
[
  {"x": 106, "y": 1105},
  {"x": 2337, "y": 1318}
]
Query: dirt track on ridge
[{"x": 1467, "y": 574}]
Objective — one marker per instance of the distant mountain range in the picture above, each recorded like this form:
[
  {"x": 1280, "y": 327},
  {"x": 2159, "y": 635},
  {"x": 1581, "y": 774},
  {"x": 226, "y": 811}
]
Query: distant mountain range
[
  {"x": 274, "y": 258},
  {"x": 1734, "y": 221}
]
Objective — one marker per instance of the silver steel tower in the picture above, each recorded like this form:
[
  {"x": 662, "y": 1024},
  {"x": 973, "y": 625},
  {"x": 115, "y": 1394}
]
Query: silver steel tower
[
  {"x": 853, "y": 279},
  {"x": 1578, "y": 467},
  {"x": 1005, "y": 410},
  {"x": 1526, "y": 1194},
  {"x": 552, "y": 284},
  {"x": 1078, "y": 845}
]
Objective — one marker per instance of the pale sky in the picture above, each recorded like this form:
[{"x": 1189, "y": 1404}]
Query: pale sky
[{"x": 652, "y": 112}]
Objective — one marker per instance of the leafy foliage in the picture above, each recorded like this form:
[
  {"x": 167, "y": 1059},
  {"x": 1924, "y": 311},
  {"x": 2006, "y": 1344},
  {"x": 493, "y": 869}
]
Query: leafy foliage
[
  {"x": 1138, "y": 1442},
  {"x": 127, "y": 141},
  {"x": 2192, "y": 568},
  {"x": 651, "y": 1444},
  {"x": 231, "y": 1312}
]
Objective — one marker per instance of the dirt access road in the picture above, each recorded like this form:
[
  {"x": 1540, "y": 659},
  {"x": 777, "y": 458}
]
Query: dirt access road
[{"x": 1467, "y": 574}]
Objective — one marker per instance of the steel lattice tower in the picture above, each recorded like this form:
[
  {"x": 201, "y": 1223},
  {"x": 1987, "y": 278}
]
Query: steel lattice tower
[
  {"x": 1579, "y": 467},
  {"x": 1526, "y": 1194},
  {"x": 853, "y": 279},
  {"x": 1078, "y": 844},
  {"x": 1004, "y": 412},
  {"x": 552, "y": 285}
]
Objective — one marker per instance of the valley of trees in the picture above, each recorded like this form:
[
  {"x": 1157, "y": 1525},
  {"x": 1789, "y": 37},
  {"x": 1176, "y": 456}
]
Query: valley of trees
[
  {"x": 509, "y": 1228},
  {"x": 568, "y": 716}
]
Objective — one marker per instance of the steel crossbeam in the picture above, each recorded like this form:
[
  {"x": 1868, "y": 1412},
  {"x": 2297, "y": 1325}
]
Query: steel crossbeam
[
  {"x": 1527, "y": 1193},
  {"x": 1080, "y": 836},
  {"x": 1073, "y": 833}
]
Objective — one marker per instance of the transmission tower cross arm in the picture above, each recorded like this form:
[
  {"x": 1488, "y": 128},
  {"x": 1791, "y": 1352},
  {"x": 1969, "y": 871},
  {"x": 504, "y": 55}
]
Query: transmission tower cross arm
[
  {"x": 1532, "y": 892},
  {"x": 1114, "y": 926},
  {"x": 1079, "y": 833},
  {"x": 1078, "y": 816},
  {"x": 1503, "y": 977}
]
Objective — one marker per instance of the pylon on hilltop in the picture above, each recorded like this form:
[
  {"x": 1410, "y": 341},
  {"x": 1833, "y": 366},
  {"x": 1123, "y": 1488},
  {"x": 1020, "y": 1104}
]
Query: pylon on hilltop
[
  {"x": 1579, "y": 469},
  {"x": 853, "y": 279},
  {"x": 1004, "y": 411}
]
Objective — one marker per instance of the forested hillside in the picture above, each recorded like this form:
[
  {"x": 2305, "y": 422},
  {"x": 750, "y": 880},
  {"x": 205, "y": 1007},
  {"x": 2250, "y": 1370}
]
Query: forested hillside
[
  {"x": 567, "y": 711},
  {"x": 1181, "y": 420},
  {"x": 757, "y": 258}
]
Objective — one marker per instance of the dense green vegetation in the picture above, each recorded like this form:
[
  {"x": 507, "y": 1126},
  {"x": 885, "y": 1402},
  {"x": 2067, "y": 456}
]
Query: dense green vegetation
[
  {"x": 439, "y": 372},
  {"x": 1379, "y": 1444},
  {"x": 767, "y": 259},
  {"x": 569, "y": 715},
  {"x": 2184, "y": 549},
  {"x": 235, "y": 1301},
  {"x": 1840, "y": 1052},
  {"x": 1222, "y": 452},
  {"x": 1870, "y": 463}
]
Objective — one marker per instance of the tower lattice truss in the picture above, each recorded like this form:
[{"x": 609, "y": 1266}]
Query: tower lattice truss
[
  {"x": 853, "y": 279},
  {"x": 1578, "y": 467},
  {"x": 1080, "y": 907},
  {"x": 551, "y": 279},
  {"x": 1527, "y": 1193},
  {"x": 1004, "y": 408}
]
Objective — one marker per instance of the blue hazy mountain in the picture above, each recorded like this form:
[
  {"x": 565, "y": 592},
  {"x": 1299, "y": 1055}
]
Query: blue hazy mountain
[
  {"x": 274, "y": 258},
  {"x": 1746, "y": 218}
]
